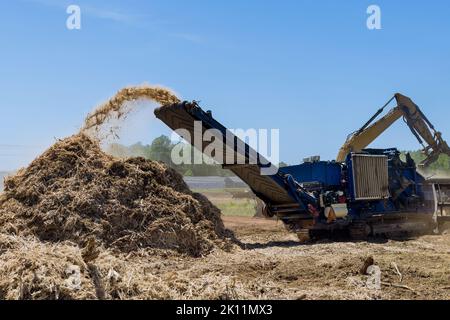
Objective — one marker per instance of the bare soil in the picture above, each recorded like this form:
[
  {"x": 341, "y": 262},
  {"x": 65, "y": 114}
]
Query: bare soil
[{"x": 328, "y": 270}]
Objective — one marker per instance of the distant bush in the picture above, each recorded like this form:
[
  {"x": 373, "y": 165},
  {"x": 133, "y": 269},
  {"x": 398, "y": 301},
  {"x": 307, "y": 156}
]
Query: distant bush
[
  {"x": 442, "y": 165},
  {"x": 160, "y": 150}
]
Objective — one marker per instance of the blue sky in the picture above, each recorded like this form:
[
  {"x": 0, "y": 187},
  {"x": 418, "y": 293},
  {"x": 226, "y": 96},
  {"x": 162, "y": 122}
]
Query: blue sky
[{"x": 310, "y": 68}]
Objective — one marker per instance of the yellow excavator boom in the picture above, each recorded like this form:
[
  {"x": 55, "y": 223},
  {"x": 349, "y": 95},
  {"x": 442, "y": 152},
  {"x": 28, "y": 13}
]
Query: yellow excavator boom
[
  {"x": 419, "y": 125},
  {"x": 357, "y": 142}
]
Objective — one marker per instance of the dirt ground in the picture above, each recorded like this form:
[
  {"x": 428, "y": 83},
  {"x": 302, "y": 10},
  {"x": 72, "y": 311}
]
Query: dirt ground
[{"x": 273, "y": 265}]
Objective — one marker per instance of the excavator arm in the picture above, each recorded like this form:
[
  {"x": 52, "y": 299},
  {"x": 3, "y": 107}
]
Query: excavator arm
[{"x": 430, "y": 139}]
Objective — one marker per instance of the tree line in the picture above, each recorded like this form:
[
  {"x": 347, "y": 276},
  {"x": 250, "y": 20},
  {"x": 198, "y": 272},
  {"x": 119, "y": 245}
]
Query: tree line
[
  {"x": 160, "y": 150},
  {"x": 442, "y": 165}
]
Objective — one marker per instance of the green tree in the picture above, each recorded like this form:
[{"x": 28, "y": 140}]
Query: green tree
[
  {"x": 160, "y": 150},
  {"x": 441, "y": 165}
]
